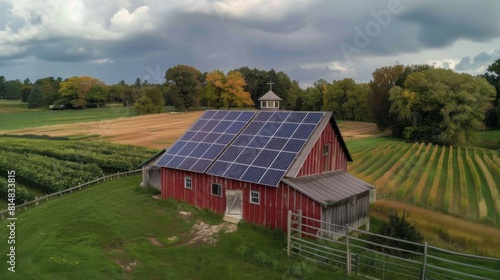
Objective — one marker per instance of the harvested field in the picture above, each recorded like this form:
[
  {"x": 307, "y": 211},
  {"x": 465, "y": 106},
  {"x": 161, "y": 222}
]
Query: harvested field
[{"x": 155, "y": 131}]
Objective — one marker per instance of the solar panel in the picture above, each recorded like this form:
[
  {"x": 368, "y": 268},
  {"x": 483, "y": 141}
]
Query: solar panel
[
  {"x": 266, "y": 148},
  {"x": 272, "y": 177},
  {"x": 205, "y": 140}
]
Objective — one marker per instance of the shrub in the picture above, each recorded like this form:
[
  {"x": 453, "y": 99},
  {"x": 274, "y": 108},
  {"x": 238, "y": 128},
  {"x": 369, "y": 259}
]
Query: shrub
[{"x": 397, "y": 227}]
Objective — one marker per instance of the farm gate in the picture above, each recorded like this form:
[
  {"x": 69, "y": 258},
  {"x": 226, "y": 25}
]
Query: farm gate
[{"x": 381, "y": 257}]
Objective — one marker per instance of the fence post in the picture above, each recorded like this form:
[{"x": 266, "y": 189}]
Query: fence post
[
  {"x": 424, "y": 262},
  {"x": 348, "y": 251},
  {"x": 289, "y": 232},
  {"x": 299, "y": 225},
  {"x": 357, "y": 264}
]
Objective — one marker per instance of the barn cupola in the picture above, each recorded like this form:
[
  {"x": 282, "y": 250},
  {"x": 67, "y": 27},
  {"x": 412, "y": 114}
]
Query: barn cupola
[{"x": 270, "y": 101}]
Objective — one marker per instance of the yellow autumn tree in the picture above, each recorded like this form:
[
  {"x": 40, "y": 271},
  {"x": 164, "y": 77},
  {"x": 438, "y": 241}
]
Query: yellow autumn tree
[
  {"x": 76, "y": 89},
  {"x": 226, "y": 90}
]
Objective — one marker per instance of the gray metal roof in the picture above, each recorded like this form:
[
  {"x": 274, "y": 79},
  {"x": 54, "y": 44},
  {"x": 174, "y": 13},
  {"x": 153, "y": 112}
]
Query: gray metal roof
[
  {"x": 329, "y": 188},
  {"x": 270, "y": 96}
]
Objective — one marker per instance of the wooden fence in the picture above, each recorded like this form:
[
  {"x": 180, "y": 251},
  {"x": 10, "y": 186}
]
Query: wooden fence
[
  {"x": 355, "y": 251},
  {"x": 38, "y": 200}
]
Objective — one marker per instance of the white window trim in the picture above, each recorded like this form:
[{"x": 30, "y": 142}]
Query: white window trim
[
  {"x": 212, "y": 189},
  {"x": 190, "y": 187},
  {"x": 258, "y": 197}
]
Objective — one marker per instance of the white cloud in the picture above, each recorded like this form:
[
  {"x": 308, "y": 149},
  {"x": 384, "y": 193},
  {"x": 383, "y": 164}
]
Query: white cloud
[
  {"x": 446, "y": 63},
  {"x": 139, "y": 20},
  {"x": 102, "y": 61}
]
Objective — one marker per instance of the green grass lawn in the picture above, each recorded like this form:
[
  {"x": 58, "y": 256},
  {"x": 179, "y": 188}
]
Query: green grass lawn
[
  {"x": 15, "y": 115},
  {"x": 91, "y": 234}
]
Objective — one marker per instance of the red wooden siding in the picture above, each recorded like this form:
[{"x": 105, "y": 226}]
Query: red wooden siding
[
  {"x": 274, "y": 201},
  {"x": 315, "y": 162}
]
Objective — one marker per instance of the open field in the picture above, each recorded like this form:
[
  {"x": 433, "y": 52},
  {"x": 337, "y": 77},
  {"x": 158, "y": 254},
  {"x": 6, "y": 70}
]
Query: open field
[
  {"x": 15, "y": 115},
  {"x": 155, "y": 131},
  {"x": 459, "y": 181},
  {"x": 443, "y": 230},
  {"x": 115, "y": 230}
]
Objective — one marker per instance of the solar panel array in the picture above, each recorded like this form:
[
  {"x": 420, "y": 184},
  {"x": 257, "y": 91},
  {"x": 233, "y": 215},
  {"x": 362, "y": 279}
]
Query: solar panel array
[
  {"x": 266, "y": 148},
  {"x": 205, "y": 140}
]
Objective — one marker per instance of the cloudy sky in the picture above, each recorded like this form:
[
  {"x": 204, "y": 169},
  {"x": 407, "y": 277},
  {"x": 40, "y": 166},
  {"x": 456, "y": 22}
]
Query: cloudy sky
[{"x": 309, "y": 40}]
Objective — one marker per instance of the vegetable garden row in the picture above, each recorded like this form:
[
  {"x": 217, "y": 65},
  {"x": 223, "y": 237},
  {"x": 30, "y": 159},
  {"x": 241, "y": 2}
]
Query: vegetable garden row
[
  {"x": 458, "y": 181},
  {"x": 47, "y": 166}
]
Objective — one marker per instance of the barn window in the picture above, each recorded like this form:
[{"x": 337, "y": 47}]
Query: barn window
[
  {"x": 326, "y": 149},
  {"x": 255, "y": 197},
  {"x": 188, "y": 183},
  {"x": 216, "y": 189}
]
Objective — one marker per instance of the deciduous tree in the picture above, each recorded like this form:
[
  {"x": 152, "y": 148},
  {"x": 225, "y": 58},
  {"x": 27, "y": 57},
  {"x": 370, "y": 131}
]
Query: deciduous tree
[
  {"x": 493, "y": 77},
  {"x": 442, "y": 106},
  {"x": 98, "y": 94},
  {"x": 150, "y": 101},
  {"x": 76, "y": 89},
  {"x": 185, "y": 84},
  {"x": 226, "y": 90}
]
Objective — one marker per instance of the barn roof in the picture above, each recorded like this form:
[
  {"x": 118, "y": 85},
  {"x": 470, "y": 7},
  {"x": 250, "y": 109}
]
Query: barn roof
[
  {"x": 154, "y": 157},
  {"x": 270, "y": 96},
  {"x": 259, "y": 147},
  {"x": 329, "y": 188}
]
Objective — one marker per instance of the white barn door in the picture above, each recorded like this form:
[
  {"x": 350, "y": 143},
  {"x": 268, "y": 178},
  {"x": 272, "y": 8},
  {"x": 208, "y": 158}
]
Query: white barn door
[{"x": 234, "y": 204}]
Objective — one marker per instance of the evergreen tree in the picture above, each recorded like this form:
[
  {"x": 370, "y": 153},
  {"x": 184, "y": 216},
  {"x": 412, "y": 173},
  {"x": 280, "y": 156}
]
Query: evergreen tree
[
  {"x": 12, "y": 90},
  {"x": 2, "y": 87},
  {"x": 25, "y": 93},
  {"x": 36, "y": 99}
]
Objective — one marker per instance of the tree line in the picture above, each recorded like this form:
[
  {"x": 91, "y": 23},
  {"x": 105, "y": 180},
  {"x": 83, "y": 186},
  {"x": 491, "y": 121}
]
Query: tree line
[{"x": 417, "y": 102}]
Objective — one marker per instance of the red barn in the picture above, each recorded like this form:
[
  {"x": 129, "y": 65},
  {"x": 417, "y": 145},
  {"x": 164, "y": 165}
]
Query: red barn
[{"x": 258, "y": 165}]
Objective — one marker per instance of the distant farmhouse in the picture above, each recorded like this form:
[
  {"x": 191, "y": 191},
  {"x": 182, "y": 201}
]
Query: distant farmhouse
[{"x": 258, "y": 165}]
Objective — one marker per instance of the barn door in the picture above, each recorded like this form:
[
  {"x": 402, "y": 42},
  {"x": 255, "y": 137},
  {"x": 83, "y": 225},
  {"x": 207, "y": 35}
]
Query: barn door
[{"x": 234, "y": 205}]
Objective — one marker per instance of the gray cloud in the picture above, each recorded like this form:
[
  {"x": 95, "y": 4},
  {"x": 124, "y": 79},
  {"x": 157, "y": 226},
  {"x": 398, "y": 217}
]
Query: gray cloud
[
  {"x": 128, "y": 39},
  {"x": 480, "y": 61},
  {"x": 443, "y": 22}
]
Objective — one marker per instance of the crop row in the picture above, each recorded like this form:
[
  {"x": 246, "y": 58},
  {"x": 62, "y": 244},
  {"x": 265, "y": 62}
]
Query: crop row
[
  {"x": 459, "y": 181},
  {"x": 47, "y": 174},
  {"x": 110, "y": 157},
  {"x": 22, "y": 193}
]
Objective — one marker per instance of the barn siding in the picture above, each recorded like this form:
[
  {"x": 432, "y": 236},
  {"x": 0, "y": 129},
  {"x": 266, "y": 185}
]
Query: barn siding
[
  {"x": 275, "y": 202},
  {"x": 315, "y": 163},
  {"x": 353, "y": 211}
]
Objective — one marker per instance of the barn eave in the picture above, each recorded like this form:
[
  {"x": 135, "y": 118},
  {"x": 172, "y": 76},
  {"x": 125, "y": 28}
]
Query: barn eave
[
  {"x": 153, "y": 158},
  {"x": 329, "y": 188}
]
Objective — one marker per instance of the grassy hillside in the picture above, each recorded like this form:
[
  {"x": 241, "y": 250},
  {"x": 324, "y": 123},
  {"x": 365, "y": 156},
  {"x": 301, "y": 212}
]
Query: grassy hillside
[
  {"x": 117, "y": 231},
  {"x": 16, "y": 115},
  {"x": 459, "y": 181}
]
